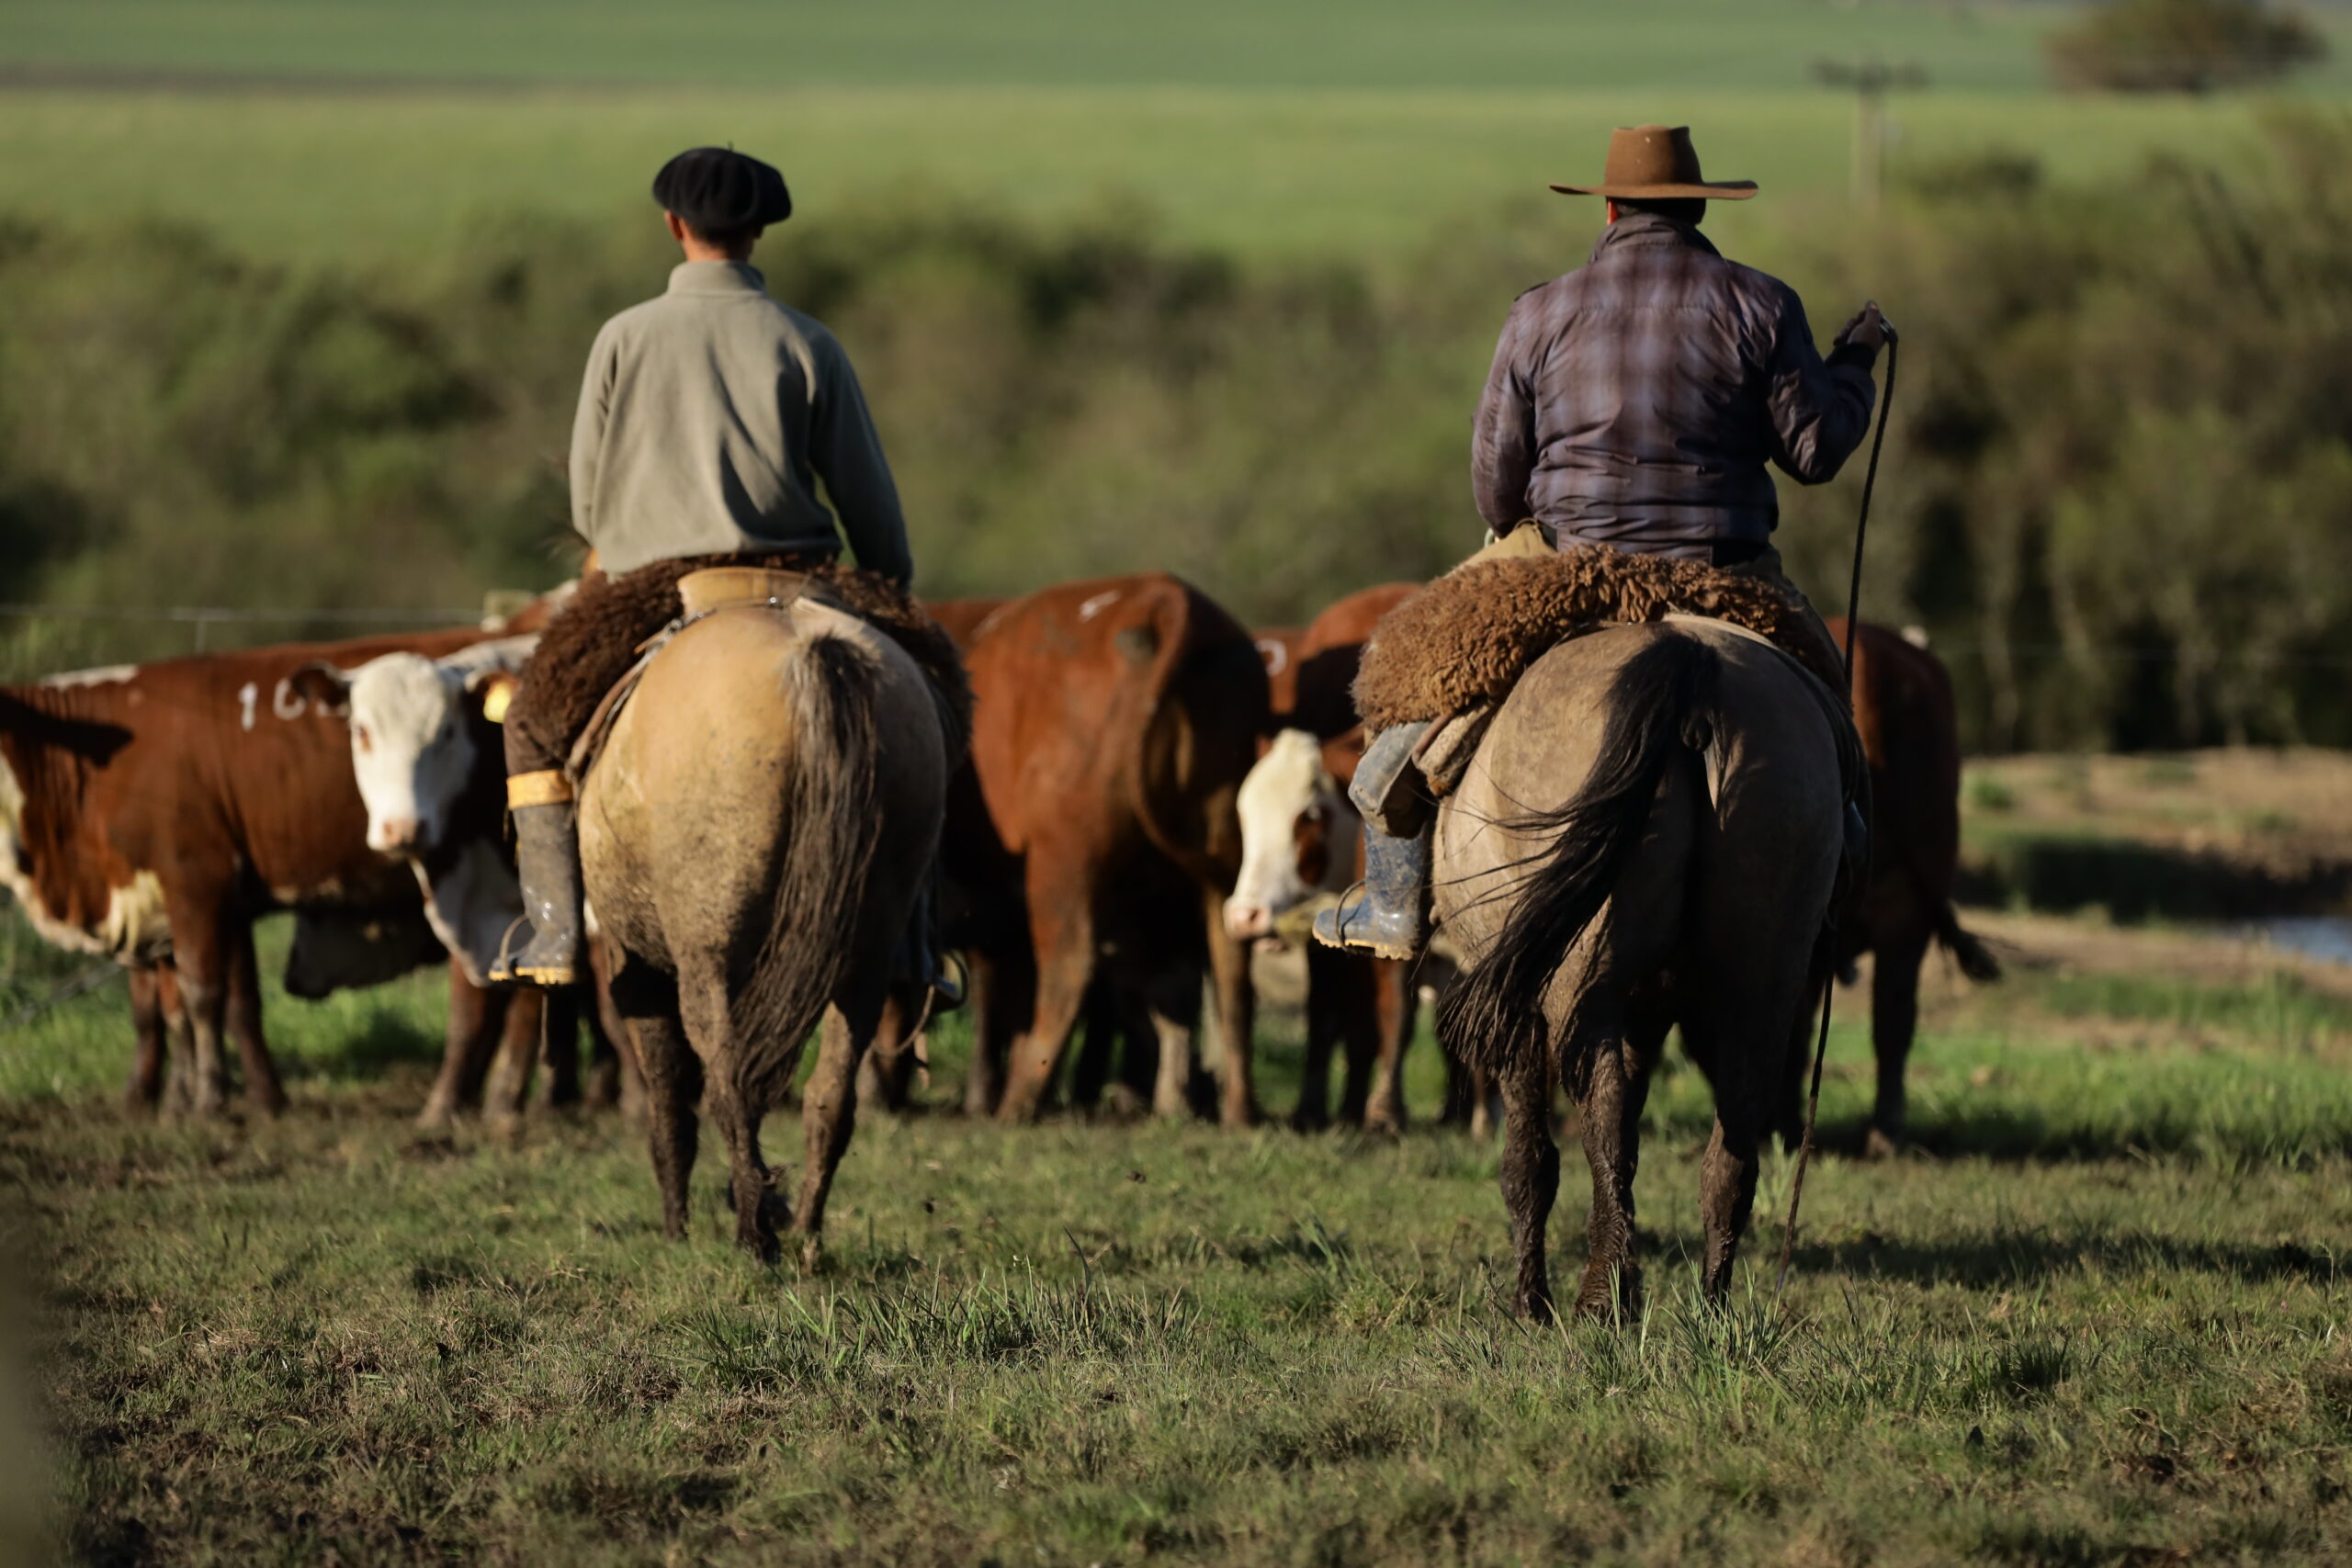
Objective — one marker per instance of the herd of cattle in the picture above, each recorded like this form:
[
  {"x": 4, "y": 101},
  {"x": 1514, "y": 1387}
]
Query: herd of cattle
[{"x": 1153, "y": 790}]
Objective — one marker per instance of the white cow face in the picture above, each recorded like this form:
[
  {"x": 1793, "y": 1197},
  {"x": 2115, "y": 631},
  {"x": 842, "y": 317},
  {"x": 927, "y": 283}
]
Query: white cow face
[
  {"x": 1298, "y": 836},
  {"x": 411, "y": 748}
]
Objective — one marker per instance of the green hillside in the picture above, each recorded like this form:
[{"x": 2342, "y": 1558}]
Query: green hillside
[{"x": 1383, "y": 43}]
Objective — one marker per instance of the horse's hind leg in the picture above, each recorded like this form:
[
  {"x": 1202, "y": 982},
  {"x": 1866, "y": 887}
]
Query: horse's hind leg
[
  {"x": 1748, "y": 1064},
  {"x": 1531, "y": 1180},
  {"x": 829, "y": 1115},
  {"x": 1616, "y": 1078},
  {"x": 648, "y": 1005}
]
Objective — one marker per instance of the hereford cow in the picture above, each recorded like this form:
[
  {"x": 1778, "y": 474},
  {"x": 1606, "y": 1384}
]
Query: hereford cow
[
  {"x": 426, "y": 753},
  {"x": 1113, "y": 722},
  {"x": 1302, "y": 837},
  {"x": 152, "y": 812},
  {"x": 1903, "y": 705}
]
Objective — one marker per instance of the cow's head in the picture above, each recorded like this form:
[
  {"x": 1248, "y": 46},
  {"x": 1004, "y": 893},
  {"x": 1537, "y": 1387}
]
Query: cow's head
[
  {"x": 413, "y": 748},
  {"x": 1298, "y": 836}
]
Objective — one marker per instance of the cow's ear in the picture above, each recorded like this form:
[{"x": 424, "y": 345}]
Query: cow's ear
[
  {"x": 494, "y": 691},
  {"x": 319, "y": 684}
]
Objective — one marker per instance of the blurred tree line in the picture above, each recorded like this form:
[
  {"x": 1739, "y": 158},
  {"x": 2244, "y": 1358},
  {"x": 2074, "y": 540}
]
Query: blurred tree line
[{"x": 2116, "y": 494}]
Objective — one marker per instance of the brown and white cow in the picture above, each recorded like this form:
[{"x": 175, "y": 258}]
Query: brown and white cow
[
  {"x": 428, "y": 759},
  {"x": 151, "y": 812},
  {"x": 1094, "y": 835},
  {"x": 1300, "y": 839}
]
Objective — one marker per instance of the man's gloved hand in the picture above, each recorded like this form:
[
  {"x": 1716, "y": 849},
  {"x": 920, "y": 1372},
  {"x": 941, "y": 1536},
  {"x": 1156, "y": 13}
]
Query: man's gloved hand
[{"x": 1867, "y": 333}]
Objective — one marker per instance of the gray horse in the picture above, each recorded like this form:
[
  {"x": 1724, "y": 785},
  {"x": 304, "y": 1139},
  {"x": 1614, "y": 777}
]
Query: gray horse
[
  {"x": 1649, "y": 836},
  {"x": 753, "y": 839}
]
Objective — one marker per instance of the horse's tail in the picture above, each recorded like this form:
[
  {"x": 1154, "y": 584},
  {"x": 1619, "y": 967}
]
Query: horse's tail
[
  {"x": 1663, "y": 700},
  {"x": 1976, "y": 960},
  {"x": 780, "y": 987}
]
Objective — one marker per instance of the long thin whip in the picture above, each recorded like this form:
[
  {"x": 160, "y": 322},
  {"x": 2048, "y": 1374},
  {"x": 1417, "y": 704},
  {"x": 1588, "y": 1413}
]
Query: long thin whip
[{"x": 1829, "y": 979}]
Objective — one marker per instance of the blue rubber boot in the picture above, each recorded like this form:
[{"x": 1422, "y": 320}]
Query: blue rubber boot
[{"x": 1390, "y": 918}]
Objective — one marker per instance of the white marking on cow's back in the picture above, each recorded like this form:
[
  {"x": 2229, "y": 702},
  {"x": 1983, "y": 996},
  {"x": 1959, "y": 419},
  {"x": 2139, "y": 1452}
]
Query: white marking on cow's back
[
  {"x": 248, "y": 695},
  {"x": 104, "y": 675},
  {"x": 1097, "y": 605},
  {"x": 285, "y": 702},
  {"x": 1276, "y": 653}
]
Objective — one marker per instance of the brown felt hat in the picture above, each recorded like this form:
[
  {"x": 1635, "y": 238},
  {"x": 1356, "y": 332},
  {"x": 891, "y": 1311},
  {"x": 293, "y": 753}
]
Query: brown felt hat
[{"x": 1657, "y": 163}]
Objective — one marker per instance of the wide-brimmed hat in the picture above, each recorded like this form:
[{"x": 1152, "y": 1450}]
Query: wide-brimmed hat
[
  {"x": 1657, "y": 163},
  {"x": 718, "y": 190}
]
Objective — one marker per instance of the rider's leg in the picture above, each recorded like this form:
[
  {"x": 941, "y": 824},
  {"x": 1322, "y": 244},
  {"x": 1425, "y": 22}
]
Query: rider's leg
[
  {"x": 1390, "y": 918},
  {"x": 546, "y": 861},
  {"x": 919, "y": 961}
]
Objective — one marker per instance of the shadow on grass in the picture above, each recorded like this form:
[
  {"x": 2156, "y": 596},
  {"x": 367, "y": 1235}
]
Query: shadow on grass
[
  {"x": 2015, "y": 1258},
  {"x": 382, "y": 1044},
  {"x": 2019, "y": 1135}
]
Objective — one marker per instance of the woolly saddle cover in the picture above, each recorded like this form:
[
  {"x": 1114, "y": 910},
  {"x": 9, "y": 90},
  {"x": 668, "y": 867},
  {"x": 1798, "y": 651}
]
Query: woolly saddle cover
[
  {"x": 593, "y": 643},
  {"x": 1463, "y": 641}
]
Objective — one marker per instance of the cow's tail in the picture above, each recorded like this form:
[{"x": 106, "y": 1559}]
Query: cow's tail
[
  {"x": 1662, "y": 703},
  {"x": 831, "y": 826},
  {"x": 1968, "y": 950},
  {"x": 1185, "y": 748}
]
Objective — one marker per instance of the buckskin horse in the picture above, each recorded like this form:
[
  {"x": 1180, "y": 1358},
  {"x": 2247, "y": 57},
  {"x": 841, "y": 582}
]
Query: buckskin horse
[
  {"x": 754, "y": 837},
  {"x": 1649, "y": 835}
]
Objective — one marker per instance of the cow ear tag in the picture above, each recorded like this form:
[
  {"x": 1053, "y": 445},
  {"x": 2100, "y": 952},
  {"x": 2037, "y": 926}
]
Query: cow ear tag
[{"x": 495, "y": 701}]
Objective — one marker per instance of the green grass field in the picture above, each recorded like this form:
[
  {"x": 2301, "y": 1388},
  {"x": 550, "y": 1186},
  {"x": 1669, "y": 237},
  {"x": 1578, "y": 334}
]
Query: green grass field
[
  {"x": 378, "y": 130},
  {"x": 2100, "y": 1321}
]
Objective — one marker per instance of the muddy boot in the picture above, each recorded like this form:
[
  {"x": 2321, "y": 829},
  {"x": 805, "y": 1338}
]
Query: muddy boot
[
  {"x": 547, "y": 858},
  {"x": 1390, "y": 918}
]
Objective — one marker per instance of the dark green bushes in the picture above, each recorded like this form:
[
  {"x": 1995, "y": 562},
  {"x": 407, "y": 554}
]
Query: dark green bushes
[{"x": 2115, "y": 493}]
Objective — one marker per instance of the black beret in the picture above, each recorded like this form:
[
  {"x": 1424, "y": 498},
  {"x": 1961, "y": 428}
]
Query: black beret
[{"x": 718, "y": 189}]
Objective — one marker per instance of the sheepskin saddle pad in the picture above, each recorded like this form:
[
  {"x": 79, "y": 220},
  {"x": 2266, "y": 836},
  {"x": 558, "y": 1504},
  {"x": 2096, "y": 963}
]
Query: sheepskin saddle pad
[
  {"x": 628, "y": 619},
  {"x": 1462, "y": 642}
]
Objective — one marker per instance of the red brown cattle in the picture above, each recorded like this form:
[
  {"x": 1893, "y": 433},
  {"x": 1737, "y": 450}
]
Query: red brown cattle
[
  {"x": 162, "y": 807},
  {"x": 1903, "y": 705},
  {"x": 1114, "y": 721},
  {"x": 1309, "y": 842}
]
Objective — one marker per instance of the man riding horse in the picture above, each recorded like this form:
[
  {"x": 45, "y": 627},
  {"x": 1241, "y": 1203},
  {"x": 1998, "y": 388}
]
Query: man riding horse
[
  {"x": 1635, "y": 404},
  {"x": 706, "y": 418}
]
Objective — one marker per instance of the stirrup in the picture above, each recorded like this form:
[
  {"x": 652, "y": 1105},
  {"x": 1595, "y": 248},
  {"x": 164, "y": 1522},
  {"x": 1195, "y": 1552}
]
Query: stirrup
[{"x": 504, "y": 971}]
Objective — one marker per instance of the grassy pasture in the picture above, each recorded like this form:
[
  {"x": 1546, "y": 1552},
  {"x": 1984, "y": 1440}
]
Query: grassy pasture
[
  {"x": 399, "y": 176},
  {"x": 2100, "y": 1322},
  {"x": 1693, "y": 44}
]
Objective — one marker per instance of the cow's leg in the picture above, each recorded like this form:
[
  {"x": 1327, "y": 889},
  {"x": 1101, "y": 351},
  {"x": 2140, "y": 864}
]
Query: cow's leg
[
  {"x": 1360, "y": 1036},
  {"x": 616, "y": 1031},
  {"x": 1895, "y": 1020},
  {"x": 1172, "y": 1006},
  {"x": 1326, "y": 972},
  {"x": 200, "y": 957},
  {"x": 1609, "y": 1104},
  {"x": 559, "y": 1048},
  {"x": 828, "y": 1114},
  {"x": 1063, "y": 927},
  {"x": 1237, "y": 1015},
  {"x": 1098, "y": 1041},
  {"x": 603, "y": 1091},
  {"x": 1003, "y": 997},
  {"x": 179, "y": 1041},
  {"x": 1531, "y": 1180},
  {"x": 1397, "y": 1011},
  {"x": 241, "y": 1013},
  {"x": 144, "y": 1090},
  {"x": 647, "y": 1004},
  {"x": 885, "y": 1076},
  {"x": 509, "y": 1080},
  {"x": 475, "y": 1017}
]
